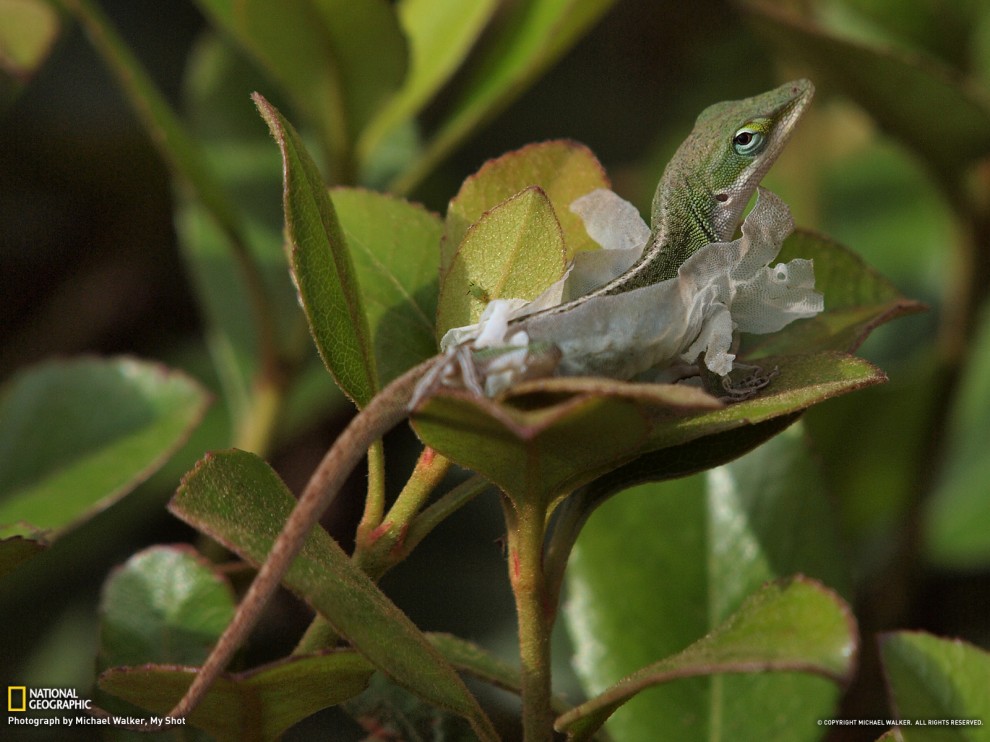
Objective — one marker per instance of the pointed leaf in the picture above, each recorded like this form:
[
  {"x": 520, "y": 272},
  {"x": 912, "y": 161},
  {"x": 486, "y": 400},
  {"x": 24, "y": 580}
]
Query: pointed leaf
[
  {"x": 235, "y": 498},
  {"x": 793, "y": 626},
  {"x": 529, "y": 39},
  {"x": 565, "y": 170},
  {"x": 931, "y": 678},
  {"x": 857, "y": 300},
  {"x": 394, "y": 245},
  {"x": 260, "y": 704},
  {"x": 876, "y": 78},
  {"x": 588, "y": 428},
  {"x": 658, "y": 567},
  {"x": 550, "y": 451},
  {"x": 514, "y": 251},
  {"x": 77, "y": 435},
  {"x": 165, "y": 604},
  {"x": 322, "y": 266}
]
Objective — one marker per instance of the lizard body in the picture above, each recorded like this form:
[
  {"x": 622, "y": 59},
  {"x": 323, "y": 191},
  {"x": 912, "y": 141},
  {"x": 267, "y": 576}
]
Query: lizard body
[{"x": 699, "y": 200}]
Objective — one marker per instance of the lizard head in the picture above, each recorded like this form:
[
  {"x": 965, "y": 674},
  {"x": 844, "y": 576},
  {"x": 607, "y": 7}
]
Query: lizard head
[{"x": 728, "y": 152}]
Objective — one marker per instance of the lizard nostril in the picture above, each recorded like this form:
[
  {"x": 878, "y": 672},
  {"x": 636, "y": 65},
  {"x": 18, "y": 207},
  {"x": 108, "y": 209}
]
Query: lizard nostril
[{"x": 722, "y": 197}]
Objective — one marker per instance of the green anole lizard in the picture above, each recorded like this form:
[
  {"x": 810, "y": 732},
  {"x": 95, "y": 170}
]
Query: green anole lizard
[{"x": 698, "y": 201}]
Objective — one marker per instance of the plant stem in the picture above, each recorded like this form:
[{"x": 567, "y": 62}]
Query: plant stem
[{"x": 526, "y": 529}]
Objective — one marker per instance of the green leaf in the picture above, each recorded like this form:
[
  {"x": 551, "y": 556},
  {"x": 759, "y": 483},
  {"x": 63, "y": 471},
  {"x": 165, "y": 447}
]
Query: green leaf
[
  {"x": 440, "y": 34},
  {"x": 530, "y": 37},
  {"x": 958, "y": 515},
  {"x": 857, "y": 301},
  {"x": 660, "y": 566},
  {"x": 28, "y": 29},
  {"x": 394, "y": 245},
  {"x": 934, "y": 678},
  {"x": 260, "y": 704},
  {"x": 791, "y": 626},
  {"x": 877, "y": 78},
  {"x": 15, "y": 550},
  {"x": 322, "y": 266},
  {"x": 586, "y": 428},
  {"x": 339, "y": 60},
  {"x": 514, "y": 251},
  {"x": 235, "y": 498},
  {"x": 77, "y": 435},
  {"x": 165, "y": 604},
  {"x": 565, "y": 170}
]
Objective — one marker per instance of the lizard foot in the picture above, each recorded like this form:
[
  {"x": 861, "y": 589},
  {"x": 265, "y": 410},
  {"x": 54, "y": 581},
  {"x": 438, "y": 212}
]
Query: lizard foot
[{"x": 736, "y": 388}]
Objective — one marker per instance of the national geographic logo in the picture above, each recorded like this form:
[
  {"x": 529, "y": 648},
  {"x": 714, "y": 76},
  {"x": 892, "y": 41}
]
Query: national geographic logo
[
  {"x": 16, "y": 698},
  {"x": 21, "y": 698}
]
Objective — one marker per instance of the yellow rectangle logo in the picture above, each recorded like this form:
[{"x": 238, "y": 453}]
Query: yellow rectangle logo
[{"x": 12, "y": 691}]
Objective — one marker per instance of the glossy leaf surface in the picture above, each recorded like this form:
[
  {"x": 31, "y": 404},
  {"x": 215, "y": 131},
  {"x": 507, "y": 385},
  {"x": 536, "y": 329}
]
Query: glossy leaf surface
[
  {"x": 792, "y": 626},
  {"x": 77, "y": 435},
  {"x": 934, "y": 678},
  {"x": 658, "y": 567},
  {"x": 165, "y": 604}
]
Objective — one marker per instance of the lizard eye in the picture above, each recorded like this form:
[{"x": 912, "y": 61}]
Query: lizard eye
[{"x": 748, "y": 141}]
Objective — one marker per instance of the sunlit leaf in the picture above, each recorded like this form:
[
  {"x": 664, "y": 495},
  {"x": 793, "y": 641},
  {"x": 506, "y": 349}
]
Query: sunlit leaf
[
  {"x": 77, "y": 435},
  {"x": 514, "y": 251},
  {"x": 394, "y": 245},
  {"x": 235, "y": 498},
  {"x": 257, "y": 705},
  {"x": 565, "y": 170},
  {"x": 931, "y": 678},
  {"x": 792, "y": 626},
  {"x": 322, "y": 266}
]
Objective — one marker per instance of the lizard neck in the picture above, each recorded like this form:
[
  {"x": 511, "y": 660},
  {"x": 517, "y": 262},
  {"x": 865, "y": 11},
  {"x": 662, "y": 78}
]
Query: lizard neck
[{"x": 686, "y": 217}]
